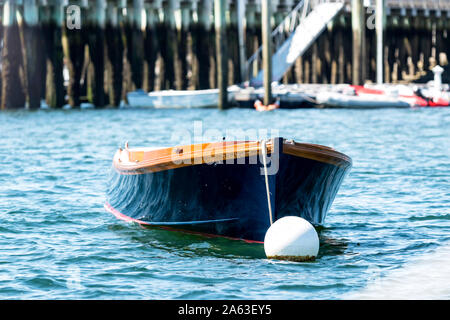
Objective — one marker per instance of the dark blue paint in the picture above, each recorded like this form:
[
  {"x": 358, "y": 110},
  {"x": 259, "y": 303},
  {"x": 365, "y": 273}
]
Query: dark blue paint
[{"x": 187, "y": 195}]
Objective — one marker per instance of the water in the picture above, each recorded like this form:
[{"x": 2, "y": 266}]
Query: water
[{"x": 387, "y": 234}]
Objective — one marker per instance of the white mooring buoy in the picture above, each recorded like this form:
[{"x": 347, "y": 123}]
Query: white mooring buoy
[{"x": 291, "y": 238}]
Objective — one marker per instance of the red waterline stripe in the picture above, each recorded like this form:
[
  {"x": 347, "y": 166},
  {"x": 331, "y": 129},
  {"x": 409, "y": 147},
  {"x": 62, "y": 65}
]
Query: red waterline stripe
[{"x": 121, "y": 216}]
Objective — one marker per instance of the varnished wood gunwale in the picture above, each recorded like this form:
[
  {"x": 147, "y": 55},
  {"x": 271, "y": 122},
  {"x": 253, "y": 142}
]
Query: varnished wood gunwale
[
  {"x": 317, "y": 152},
  {"x": 171, "y": 158},
  {"x": 138, "y": 161}
]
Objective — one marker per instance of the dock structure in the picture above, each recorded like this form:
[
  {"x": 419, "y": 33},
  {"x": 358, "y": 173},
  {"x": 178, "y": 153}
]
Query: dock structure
[{"x": 69, "y": 52}]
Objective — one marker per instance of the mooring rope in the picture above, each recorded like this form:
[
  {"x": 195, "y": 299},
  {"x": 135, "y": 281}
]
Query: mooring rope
[{"x": 264, "y": 155}]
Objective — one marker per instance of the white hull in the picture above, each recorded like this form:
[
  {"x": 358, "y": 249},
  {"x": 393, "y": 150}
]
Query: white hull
[
  {"x": 366, "y": 101},
  {"x": 174, "y": 99}
]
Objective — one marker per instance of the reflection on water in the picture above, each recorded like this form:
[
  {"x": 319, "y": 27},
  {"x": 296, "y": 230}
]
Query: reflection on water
[
  {"x": 332, "y": 247},
  {"x": 188, "y": 244}
]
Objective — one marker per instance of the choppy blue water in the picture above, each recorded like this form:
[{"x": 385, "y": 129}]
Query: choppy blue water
[{"x": 387, "y": 234}]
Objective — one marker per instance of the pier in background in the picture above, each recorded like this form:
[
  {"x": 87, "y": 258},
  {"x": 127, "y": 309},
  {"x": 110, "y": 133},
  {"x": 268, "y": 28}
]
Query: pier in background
[{"x": 96, "y": 51}]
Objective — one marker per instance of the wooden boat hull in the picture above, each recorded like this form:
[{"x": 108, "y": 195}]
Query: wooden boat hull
[{"x": 229, "y": 200}]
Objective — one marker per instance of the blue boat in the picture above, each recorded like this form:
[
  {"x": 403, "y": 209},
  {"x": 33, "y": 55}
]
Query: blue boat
[{"x": 229, "y": 189}]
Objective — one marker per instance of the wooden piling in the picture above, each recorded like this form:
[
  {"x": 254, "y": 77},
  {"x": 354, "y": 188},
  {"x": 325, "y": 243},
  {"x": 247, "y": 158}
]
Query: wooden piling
[
  {"x": 13, "y": 96},
  {"x": 115, "y": 54},
  {"x": 415, "y": 40},
  {"x": 339, "y": 45},
  {"x": 358, "y": 29},
  {"x": 281, "y": 11},
  {"x": 325, "y": 57},
  {"x": 95, "y": 30},
  {"x": 258, "y": 38},
  {"x": 168, "y": 45},
  {"x": 233, "y": 45},
  {"x": 52, "y": 21},
  {"x": 32, "y": 39},
  {"x": 389, "y": 40},
  {"x": 396, "y": 38},
  {"x": 318, "y": 62},
  {"x": 241, "y": 38},
  {"x": 135, "y": 43},
  {"x": 405, "y": 52},
  {"x": 221, "y": 51},
  {"x": 159, "y": 63},
  {"x": 43, "y": 15},
  {"x": 203, "y": 35},
  {"x": 370, "y": 54},
  {"x": 386, "y": 48},
  {"x": 183, "y": 36},
  {"x": 441, "y": 41},
  {"x": 334, "y": 52},
  {"x": 251, "y": 37},
  {"x": 427, "y": 43},
  {"x": 314, "y": 63},
  {"x": 307, "y": 66},
  {"x": 348, "y": 50},
  {"x": 299, "y": 70},
  {"x": 73, "y": 46},
  {"x": 151, "y": 45}
]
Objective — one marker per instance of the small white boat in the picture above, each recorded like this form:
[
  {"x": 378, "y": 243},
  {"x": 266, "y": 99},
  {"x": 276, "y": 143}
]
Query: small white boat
[
  {"x": 169, "y": 99},
  {"x": 348, "y": 97}
]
